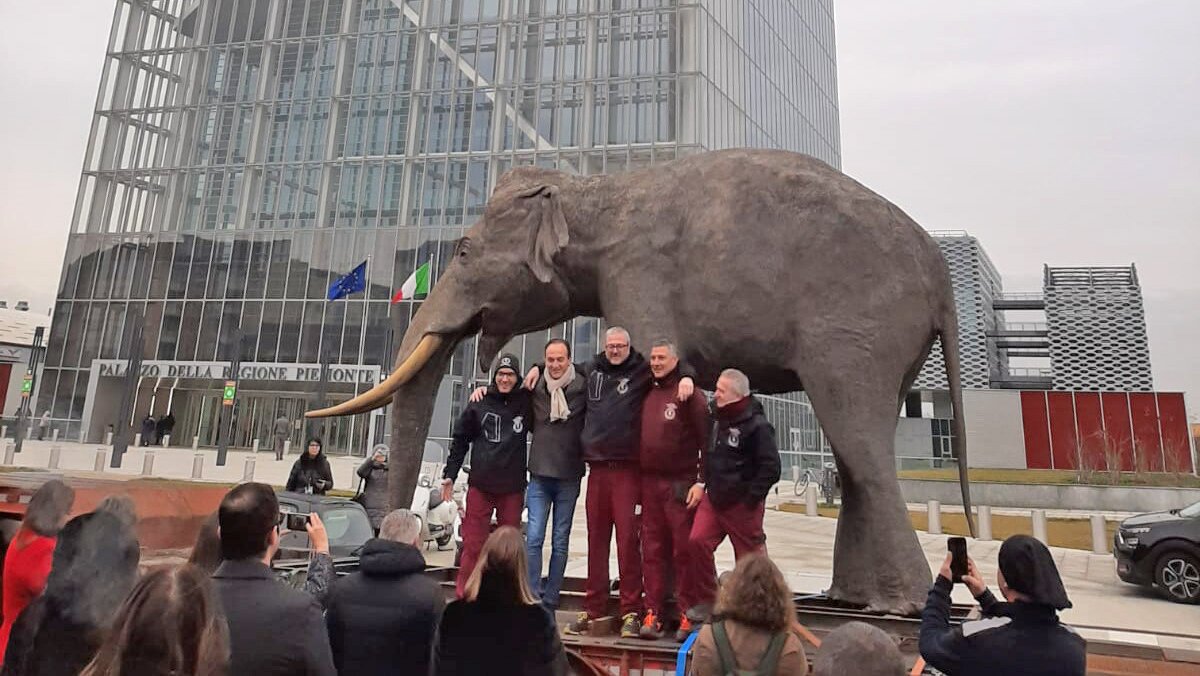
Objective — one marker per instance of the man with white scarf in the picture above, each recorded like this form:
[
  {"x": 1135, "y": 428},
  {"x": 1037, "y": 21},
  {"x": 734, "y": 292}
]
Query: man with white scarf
[{"x": 555, "y": 467}]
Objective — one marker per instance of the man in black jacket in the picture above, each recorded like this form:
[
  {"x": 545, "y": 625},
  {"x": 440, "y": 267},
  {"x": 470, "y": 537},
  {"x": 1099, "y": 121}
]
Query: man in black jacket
[
  {"x": 495, "y": 430},
  {"x": 739, "y": 472},
  {"x": 273, "y": 629},
  {"x": 555, "y": 466},
  {"x": 382, "y": 619}
]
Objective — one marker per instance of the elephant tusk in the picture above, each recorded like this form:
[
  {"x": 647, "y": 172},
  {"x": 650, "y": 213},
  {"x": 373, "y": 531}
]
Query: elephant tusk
[{"x": 379, "y": 395}]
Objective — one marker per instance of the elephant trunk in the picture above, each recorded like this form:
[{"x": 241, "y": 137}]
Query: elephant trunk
[{"x": 412, "y": 408}]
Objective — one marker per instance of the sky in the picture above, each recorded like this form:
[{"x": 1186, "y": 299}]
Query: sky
[{"x": 1061, "y": 133}]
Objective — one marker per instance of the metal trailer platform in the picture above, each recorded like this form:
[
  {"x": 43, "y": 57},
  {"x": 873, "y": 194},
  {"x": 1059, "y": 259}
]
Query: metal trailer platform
[{"x": 605, "y": 652}]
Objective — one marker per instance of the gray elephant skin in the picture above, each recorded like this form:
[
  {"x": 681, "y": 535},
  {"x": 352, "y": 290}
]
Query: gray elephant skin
[{"x": 768, "y": 261}]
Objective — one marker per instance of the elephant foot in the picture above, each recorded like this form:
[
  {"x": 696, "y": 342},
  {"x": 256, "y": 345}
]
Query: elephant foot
[{"x": 878, "y": 562}]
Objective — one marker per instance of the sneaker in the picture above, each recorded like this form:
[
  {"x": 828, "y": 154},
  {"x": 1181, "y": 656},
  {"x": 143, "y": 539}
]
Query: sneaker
[
  {"x": 652, "y": 628},
  {"x": 630, "y": 627},
  {"x": 684, "y": 630},
  {"x": 581, "y": 625}
]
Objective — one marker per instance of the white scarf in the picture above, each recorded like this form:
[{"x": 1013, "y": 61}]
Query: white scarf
[{"x": 558, "y": 401}]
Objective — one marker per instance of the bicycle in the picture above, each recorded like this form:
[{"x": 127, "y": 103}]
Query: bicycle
[{"x": 804, "y": 480}]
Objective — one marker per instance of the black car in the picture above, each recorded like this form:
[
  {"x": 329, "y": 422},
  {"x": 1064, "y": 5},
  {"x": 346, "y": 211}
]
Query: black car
[
  {"x": 345, "y": 522},
  {"x": 1162, "y": 549}
]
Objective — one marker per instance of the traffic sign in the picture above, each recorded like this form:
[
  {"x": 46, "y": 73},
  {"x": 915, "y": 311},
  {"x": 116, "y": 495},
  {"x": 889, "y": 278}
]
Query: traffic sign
[{"x": 229, "y": 393}]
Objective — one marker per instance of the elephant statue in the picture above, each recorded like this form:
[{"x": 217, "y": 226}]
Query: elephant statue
[{"x": 768, "y": 261}]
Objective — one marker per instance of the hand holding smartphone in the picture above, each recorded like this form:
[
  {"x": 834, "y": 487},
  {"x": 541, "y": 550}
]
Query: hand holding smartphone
[
  {"x": 297, "y": 522},
  {"x": 958, "y": 558}
]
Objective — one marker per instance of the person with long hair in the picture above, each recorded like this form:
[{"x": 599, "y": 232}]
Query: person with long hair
[
  {"x": 206, "y": 553},
  {"x": 95, "y": 565},
  {"x": 27, "y": 562},
  {"x": 311, "y": 472},
  {"x": 169, "y": 625},
  {"x": 498, "y": 627},
  {"x": 752, "y": 625}
]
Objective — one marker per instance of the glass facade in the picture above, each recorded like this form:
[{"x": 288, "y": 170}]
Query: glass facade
[{"x": 244, "y": 153}]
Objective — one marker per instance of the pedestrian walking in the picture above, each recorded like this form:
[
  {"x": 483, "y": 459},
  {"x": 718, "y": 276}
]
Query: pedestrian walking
[
  {"x": 373, "y": 496},
  {"x": 494, "y": 430},
  {"x": 311, "y": 472},
  {"x": 739, "y": 472},
  {"x": 149, "y": 426},
  {"x": 166, "y": 425},
  {"x": 43, "y": 425},
  {"x": 281, "y": 429}
]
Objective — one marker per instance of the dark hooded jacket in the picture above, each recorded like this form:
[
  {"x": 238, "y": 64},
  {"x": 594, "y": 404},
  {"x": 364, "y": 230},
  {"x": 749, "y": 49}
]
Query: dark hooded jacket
[
  {"x": 1023, "y": 637},
  {"x": 495, "y": 430},
  {"x": 307, "y": 470},
  {"x": 95, "y": 565},
  {"x": 374, "y": 477},
  {"x": 498, "y": 639},
  {"x": 744, "y": 462},
  {"x": 382, "y": 619},
  {"x": 614, "y": 407}
]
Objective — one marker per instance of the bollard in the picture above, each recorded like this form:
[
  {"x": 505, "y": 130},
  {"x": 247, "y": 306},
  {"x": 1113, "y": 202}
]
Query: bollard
[
  {"x": 810, "y": 501},
  {"x": 99, "y": 465},
  {"x": 137, "y": 440},
  {"x": 248, "y": 472},
  {"x": 935, "y": 518},
  {"x": 254, "y": 447},
  {"x": 197, "y": 465},
  {"x": 166, "y": 440},
  {"x": 196, "y": 442},
  {"x": 108, "y": 439},
  {"x": 148, "y": 464},
  {"x": 10, "y": 450},
  {"x": 54, "y": 436},
  {"x": 3, "y": 431},
  {"x": 1099, "y": 535},
  {"x": 55, "y": 456},
  {"x": 1039, "y": 524},
  {"x": 287, "y": 447},
  {"x": 984, "y": 523}
]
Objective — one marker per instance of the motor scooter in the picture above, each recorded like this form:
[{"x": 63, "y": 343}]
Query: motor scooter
[{"x": 439, "y": 518}]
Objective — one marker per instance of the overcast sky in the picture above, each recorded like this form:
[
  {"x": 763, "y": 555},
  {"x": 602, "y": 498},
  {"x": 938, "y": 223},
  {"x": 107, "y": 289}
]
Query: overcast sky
[{"x": 1063, "y": 132}]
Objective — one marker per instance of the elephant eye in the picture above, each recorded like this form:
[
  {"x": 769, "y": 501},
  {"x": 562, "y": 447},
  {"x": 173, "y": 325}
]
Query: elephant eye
[{"x": 464, "y": 245}]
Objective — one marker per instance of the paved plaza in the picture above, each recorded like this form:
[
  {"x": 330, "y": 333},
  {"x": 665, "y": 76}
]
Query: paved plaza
[{"x": 802, "y": 546}]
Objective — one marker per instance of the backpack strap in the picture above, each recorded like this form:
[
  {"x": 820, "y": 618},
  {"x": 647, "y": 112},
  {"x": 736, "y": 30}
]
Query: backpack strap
[
  {"x": 724, "y": 650},
  {"x": 770, "y": 661}
]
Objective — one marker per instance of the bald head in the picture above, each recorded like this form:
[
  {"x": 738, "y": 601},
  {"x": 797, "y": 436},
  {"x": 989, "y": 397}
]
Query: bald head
[{"x": 858, "y": 648}]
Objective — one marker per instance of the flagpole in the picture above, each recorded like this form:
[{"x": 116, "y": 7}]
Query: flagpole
[{"x": 362, "y": 340}]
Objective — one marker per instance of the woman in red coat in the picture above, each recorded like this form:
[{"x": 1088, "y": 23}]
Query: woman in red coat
[{"x": 27, "y": 563}]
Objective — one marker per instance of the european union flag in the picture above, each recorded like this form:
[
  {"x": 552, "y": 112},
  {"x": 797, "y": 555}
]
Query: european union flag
[{"x": 352, "y": 283}]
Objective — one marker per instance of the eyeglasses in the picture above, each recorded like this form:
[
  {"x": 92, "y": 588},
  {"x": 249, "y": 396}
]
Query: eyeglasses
[{"x": 616, "y": 346}]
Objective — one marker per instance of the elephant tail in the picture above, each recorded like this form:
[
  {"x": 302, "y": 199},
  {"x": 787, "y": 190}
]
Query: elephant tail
[{"x": 950, "y": 354}]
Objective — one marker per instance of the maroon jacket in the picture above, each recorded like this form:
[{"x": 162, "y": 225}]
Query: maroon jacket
[{"x": 674, "y": 434}]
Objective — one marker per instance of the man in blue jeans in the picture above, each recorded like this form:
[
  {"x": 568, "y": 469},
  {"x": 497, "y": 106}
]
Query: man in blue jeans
[{"x": 555, "y": 466}]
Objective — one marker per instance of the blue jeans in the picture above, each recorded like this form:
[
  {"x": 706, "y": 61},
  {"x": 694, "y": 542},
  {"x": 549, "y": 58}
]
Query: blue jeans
[{"x": 543, "y": 493}]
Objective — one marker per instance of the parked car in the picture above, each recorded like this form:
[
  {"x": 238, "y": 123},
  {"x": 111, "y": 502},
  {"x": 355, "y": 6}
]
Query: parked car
[
  {"x": 345, "y": 521},
  {"x": 1162, "y": 549}
]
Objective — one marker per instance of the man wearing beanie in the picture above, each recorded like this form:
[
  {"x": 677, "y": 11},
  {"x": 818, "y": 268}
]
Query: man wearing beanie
[{"x": 495, "y": 430}]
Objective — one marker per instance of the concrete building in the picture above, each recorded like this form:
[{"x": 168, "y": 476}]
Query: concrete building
[
  {"x": 17, "y": 329},
  {"x": 245, "y": 153}
]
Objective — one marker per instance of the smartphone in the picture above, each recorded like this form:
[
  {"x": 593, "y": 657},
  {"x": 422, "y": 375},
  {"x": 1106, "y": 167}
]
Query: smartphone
[
  {"x": 958, "y": 558},
  {"x": 297, "y": 521}
]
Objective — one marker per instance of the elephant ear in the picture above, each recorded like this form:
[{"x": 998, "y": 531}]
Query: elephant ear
[{"x": 547, "y": 229}]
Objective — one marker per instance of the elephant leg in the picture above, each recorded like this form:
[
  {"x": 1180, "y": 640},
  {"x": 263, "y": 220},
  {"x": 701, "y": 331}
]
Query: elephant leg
[{"x": 877, "y": 559}]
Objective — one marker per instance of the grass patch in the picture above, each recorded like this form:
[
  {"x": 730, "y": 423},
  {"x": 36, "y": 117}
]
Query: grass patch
[
  {"x": 1069, "y": 533},
  {"x": 1055, "y": 477}
]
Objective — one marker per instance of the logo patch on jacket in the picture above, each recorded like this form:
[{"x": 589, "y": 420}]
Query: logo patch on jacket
[
  {"x": 518, "y": 424},
  {"x": 669, "y": 411},
  {"x": 623, "y": 386},
  {"x": 735, "y": 437}
]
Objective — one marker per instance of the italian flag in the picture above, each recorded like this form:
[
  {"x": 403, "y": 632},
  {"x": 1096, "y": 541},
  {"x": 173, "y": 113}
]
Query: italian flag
[{"x": 417, "y": 284}]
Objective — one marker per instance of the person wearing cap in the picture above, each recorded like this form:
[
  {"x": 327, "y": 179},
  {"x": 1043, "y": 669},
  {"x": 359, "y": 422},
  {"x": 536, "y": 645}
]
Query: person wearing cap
[
  {"x": 495, "y": 430},
  {"x": 372, "y": 492},
  {"x": 1021, "y": 635}
]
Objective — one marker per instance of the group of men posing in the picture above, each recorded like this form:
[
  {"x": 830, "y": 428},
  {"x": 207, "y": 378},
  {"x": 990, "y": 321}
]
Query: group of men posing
[{"x": 644, "y": 433}]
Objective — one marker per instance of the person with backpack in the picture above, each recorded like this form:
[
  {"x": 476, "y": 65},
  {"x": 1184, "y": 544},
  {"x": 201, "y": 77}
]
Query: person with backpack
[{"x": 751, "y": 633}]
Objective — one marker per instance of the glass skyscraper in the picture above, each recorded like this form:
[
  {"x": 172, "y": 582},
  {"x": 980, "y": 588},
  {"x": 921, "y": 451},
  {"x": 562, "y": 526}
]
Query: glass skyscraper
[{"x": 245, "y": 153}]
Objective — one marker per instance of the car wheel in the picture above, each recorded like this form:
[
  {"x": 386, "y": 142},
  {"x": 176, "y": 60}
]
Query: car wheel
[{"x": 1177, "y": 574}]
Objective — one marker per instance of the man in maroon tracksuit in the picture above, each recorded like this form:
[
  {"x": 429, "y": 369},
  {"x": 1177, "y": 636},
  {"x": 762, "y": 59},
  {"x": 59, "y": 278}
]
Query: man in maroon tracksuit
[
  {"x": 674, "y": 435},
  {"x": 739, "y": 471}
]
